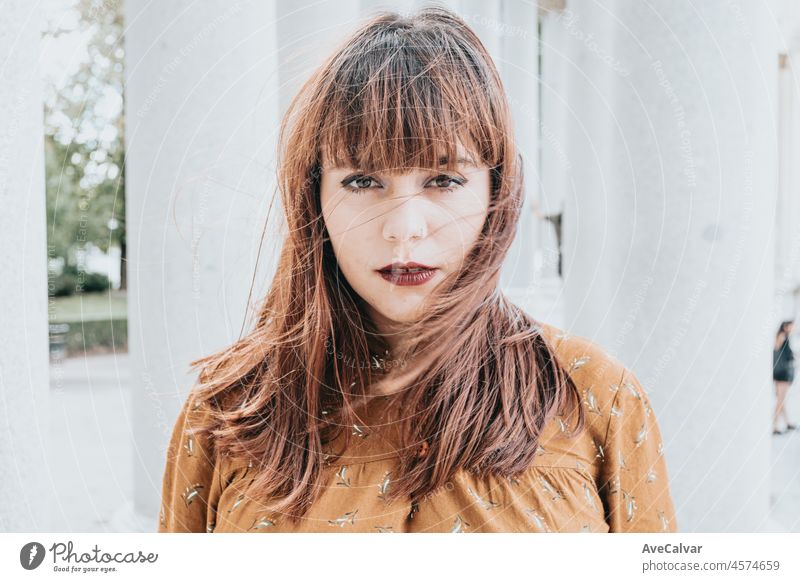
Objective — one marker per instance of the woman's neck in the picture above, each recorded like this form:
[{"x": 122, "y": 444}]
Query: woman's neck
[
  {"x": 393, "y": 333},
  {"x": 400, "y": 369}
]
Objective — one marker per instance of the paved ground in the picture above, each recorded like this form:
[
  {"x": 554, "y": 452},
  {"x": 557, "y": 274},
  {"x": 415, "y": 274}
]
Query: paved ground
[
  {"x": 92, "y": 455},
  {"x": 785, "y": 495}
]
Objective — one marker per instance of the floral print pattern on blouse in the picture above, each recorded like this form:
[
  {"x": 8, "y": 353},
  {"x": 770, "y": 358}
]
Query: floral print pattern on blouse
[{"x": 611, "y": 478}]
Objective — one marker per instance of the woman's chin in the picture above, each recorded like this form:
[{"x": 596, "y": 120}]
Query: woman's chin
[{"x": 405, "y": 315}]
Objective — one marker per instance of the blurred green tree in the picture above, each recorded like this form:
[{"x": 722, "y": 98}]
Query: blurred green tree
[{"x": 84, "y": 141}]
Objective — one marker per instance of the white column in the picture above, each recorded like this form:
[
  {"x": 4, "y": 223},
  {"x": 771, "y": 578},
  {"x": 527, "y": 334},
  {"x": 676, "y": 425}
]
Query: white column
[
  {"x": 309, "y": 30},
  {"x": 486, "y": 19},
  {"x": 787, "y": 224},
  {"x": 791, "y": 195},
  {"x": 519, "y": 66},
  {"x": 787, "y": 240},
  {"x": 202, "y": 116},
  {"x": 670, "y": 258},
  {"x": 24, "y": 481},
  {"x": 589, "y": 203}
]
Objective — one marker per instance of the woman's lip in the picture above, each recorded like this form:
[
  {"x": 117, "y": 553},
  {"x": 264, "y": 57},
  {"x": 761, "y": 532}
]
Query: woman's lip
[
  {"x": 406, "y": 278},
  {"x": 409, "y": 265}
]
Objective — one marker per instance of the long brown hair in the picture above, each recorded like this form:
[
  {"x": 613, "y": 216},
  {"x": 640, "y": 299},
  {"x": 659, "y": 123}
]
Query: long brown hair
[{"x": 399, "y": 93}]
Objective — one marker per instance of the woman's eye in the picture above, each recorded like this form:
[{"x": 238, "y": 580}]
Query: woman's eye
[
  {"x": 447, "y": 182},
  {"x": 359, "y": 182}
]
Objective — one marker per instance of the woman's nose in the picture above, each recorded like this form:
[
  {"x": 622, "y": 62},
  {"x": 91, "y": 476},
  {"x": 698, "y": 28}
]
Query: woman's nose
[{"x": 405, "y": 217}]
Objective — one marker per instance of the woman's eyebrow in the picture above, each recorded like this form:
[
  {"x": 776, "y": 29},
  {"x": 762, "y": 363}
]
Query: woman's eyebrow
[{"x": 460, "y": 160}]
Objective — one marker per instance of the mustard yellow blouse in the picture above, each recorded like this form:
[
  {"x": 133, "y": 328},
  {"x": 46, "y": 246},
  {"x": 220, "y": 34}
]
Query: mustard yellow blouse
[{"x": 611, "y": 478}]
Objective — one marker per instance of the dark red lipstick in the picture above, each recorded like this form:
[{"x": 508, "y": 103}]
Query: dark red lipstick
[{"x": 403, "y": 274}]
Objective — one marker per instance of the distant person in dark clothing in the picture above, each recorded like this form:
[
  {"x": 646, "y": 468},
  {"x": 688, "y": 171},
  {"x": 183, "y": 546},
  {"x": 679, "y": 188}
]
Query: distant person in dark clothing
[{"x": 783, "y": 374}]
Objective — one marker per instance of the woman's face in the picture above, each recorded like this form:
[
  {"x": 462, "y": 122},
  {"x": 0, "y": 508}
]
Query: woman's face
[{"x": 424, "y": 216}]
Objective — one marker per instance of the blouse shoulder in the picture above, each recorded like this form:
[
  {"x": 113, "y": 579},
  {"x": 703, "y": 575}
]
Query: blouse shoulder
[
  {"x": 191, "y": 483},
  {"x": 596, "y": 373},
  {"x": 631, "y": 467}
]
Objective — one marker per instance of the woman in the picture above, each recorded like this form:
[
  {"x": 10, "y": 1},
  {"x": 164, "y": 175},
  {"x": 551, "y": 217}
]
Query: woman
[
  {"x": 782, "y": 374},
  {"x": 388, "y": 385}
]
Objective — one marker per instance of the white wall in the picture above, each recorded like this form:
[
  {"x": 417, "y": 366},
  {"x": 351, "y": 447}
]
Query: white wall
[
  {"x": 24, "y": 487},
  {"x": 670, "y": 232},
  {"x": 202, "y": 89}
]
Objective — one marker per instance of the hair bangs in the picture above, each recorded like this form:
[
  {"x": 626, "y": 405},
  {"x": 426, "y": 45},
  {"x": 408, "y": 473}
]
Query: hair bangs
[{"x": 406, "y": 104}]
